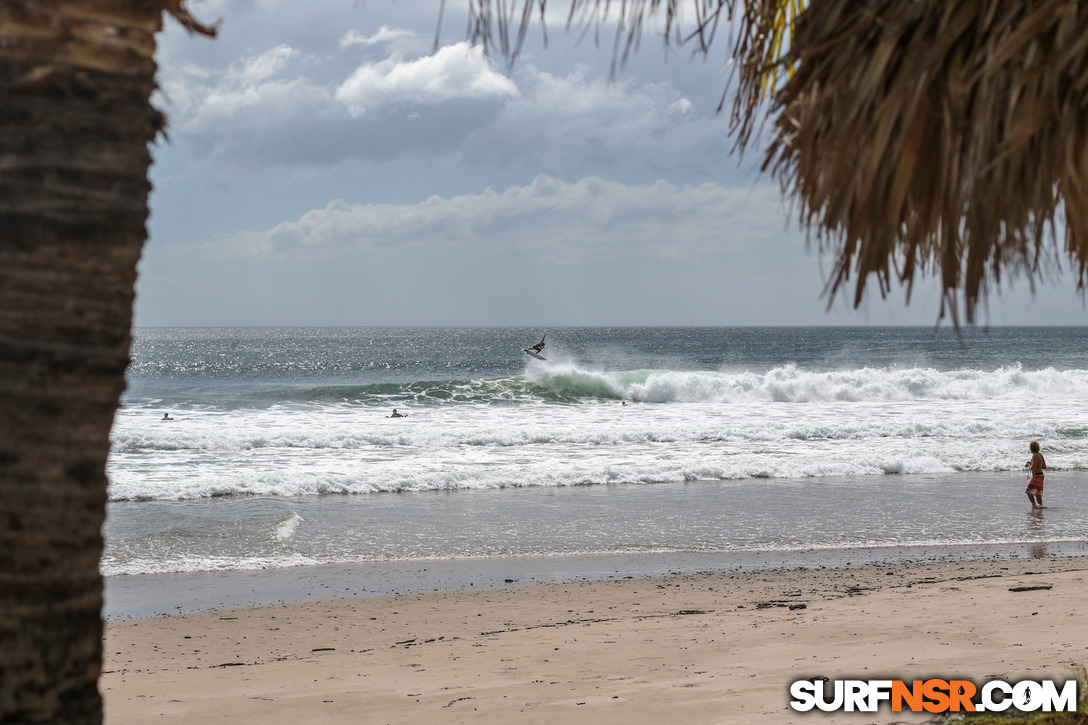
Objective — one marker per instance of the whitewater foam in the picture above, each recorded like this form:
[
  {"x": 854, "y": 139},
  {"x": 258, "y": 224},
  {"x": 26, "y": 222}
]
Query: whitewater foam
[{"x": 281, "y": 452}]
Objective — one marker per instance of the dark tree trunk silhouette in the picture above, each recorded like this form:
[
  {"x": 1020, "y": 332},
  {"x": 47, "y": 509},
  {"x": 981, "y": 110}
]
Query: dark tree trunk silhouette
[{"x": 75, "y": 122}]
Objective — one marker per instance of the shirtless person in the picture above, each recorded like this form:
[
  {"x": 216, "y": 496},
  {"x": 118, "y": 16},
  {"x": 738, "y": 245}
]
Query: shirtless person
[{"x": 1035, "y": 485}]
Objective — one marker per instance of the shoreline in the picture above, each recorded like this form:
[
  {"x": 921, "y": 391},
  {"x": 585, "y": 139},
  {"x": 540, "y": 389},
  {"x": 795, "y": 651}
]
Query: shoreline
[
  {"x": 692, "y": 647},
  {"x": 142, "y": 596}
]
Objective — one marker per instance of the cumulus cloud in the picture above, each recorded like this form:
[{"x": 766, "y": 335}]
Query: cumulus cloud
[
  {"x": 286, "y": 106},
  {"x": 384, "y": 35},
  {"x": 260, "y": 90},
  {"x": 454, "y": 72},
  {"x": 560, "y": 222},
  {"x": 268, "y": 64},
  {"x": 368, "y": 98},
  {"x": 584, "y": 120}
]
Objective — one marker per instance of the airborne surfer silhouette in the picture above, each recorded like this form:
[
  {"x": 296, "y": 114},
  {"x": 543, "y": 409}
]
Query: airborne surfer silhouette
[{"x": 539, "y": 346}]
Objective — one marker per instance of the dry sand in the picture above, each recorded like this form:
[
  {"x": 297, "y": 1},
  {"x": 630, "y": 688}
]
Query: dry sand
[{"x": 692, "y": 649}]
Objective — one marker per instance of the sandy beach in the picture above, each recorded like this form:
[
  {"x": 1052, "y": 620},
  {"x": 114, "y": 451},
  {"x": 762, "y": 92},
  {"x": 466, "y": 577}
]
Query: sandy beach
[{"x": 708, "y": 648}]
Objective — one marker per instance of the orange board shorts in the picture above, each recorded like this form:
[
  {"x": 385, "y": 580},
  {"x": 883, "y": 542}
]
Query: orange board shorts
[{"x": 1035, "y": 485}]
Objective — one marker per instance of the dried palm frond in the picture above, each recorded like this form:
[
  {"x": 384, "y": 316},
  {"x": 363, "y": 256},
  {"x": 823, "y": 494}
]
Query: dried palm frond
[
  {"x": 917, "y": 136},
  {"x": 179, "y": 11},
  {"x": 503, "y": 24},
  {"x": 934, "y": 137}
]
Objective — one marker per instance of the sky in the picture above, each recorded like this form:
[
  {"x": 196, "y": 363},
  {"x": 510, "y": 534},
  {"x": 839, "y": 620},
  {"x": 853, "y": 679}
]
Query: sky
[{"x": 335, "y": 162}]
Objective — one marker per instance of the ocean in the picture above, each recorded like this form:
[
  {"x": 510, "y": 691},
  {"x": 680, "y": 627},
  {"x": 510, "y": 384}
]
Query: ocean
[{"x": 771, "y": 446}]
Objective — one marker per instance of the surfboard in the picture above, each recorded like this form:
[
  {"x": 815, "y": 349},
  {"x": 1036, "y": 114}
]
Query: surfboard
[{"x": 534, "y": 353}]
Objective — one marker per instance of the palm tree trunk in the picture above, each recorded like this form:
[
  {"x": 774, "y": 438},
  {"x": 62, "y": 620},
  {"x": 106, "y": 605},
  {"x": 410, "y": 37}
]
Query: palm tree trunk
[{"x": 75, "y": 123}]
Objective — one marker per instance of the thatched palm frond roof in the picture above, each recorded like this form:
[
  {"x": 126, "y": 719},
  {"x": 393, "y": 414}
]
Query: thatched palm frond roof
[
  {"x": 918, "y": 137},
  {"x": 935, "y": 137}
]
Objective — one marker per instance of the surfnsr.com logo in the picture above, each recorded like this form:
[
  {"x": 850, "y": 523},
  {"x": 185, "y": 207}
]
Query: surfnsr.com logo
[{"x": 933, "y": 695}]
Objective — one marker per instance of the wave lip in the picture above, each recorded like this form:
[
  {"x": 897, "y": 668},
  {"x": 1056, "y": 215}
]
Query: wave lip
[{"x": 571, "y": 383}]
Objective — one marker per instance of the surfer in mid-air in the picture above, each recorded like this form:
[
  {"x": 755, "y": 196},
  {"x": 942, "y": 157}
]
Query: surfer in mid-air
[{"x": 534, "y": 350}]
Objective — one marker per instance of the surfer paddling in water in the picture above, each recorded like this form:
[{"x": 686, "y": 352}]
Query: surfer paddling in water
[
  {"x": 1035, "y": 486},
  {"x": 397, "y": 415}
]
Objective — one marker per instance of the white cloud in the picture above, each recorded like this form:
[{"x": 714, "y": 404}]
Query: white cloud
[
  {"x": 384, "y": 35},
  {"x": 268, "y": 64},
  {"x": 260, "y": 89},
  {"x": 559, "y": 222},
  {"x": 288, "y": 106},
  {"x": 455, "y": 71},
  {"x": 284, "y": 105},
  {"x": 580, "y": 120},
  {"x": 681, "y": 106}
]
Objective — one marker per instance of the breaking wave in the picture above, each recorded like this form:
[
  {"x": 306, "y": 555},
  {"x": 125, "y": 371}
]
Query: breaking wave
[{"x": 570, "y": 384}]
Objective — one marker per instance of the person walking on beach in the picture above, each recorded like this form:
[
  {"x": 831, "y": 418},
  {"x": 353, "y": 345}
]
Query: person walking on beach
[{"x": 1035, "y": 486}]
